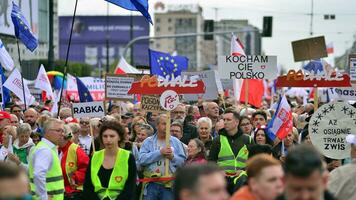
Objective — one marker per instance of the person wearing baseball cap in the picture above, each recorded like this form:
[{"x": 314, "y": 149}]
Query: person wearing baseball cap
[
  {"x": 5, "y": 119},
  {"x": 342, "y": 181}
]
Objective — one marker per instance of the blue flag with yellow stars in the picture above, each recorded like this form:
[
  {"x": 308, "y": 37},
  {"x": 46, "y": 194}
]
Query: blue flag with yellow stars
[
  {"x": 22, "y": 28},
  {"x": 84, "y": 94},
  {"x": 163, "y": 64}
]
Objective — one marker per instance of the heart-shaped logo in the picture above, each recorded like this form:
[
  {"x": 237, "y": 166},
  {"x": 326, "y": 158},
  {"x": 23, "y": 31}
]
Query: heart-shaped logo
[
  {"x": 71, "y": 164},
  {"x": 118, "y": 179},
  {"x": 263, "y": 66}
]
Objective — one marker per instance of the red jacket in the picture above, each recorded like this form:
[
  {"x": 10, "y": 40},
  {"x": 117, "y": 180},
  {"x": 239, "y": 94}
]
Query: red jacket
[
  {"x": 199, "y": 159},
  {"x": 79, "y": 175}
]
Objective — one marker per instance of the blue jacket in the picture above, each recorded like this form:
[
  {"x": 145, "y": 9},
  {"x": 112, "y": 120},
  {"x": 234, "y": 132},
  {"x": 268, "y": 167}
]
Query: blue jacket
[{"x": 148, "y": 156}]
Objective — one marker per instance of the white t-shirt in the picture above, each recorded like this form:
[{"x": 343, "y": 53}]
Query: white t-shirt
[{"x": 85, "y": 143}]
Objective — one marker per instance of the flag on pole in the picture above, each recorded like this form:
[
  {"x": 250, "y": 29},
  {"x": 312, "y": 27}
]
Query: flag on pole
[
  {"x": 237, "y": 48},
  {"x": 42, "y": 82},
  {"x": 5, "y": 92},
  {"x": 315, "y": 66},
  {"x": 125, "y": 68},
  {"x": 84, "y": 94},
  {"x": 5, "y": 59},
  {"x": 163, "y": 64},
  {"x": 22, "y": 28},
  {"x": 134, "y": 5},
  {"x": 255, "y": 92},
  {"x": 282, "y": 121},
  {"x": 14, "y": 84}
]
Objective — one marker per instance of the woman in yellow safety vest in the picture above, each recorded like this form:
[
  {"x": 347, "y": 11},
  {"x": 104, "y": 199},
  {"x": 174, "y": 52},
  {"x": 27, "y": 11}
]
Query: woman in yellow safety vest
[{"x": 111, "y": 173}]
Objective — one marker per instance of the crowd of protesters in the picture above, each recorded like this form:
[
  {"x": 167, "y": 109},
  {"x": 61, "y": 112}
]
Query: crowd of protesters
[{"x": 217, "y": 150}]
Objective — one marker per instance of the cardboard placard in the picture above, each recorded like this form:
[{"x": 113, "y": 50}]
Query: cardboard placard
[
  {"x": 151, "y": 103},
  {"x": 310, "y": 48},
  {"x": 117, "y": 86},
  {"x": 352, "y": 67},
  {"x": 212, "y": 84},
  {"x": 329, "y": 126},
  {"x": 248, "y": 67},
  {"x": 88, "y": 109}
]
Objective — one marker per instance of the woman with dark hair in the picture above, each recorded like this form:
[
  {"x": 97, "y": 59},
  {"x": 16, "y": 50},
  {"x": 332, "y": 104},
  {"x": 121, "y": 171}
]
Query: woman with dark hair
[
  {"x": 261, "y": 136},
  {"x": 245, "y": 125},
  {"x": 111, "y": 173},
  {"x": 196, "y": 152}
]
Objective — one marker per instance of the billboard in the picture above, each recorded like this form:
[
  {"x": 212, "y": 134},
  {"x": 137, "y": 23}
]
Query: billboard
[
  {"x": 91, "y": 32},
  {"x": 29, "y": 9}
]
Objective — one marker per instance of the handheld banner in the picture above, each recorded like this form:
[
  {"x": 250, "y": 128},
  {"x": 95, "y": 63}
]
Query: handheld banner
[
  {"x": 151, "y": 103},
  {"x": 248, "y": 67},
  {"x": 300, "y": 79},
  {"x": 329, "y": 126},
  {"x": 157, "y": 85},
  {"x": 88, "y": 109}
]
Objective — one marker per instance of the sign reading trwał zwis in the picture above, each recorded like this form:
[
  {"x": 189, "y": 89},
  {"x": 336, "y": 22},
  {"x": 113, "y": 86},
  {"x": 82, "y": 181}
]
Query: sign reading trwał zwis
[
  {"x": 329, "y": 126},
  {"x": 248, "y": 67},
  {"x": 88, "y": 109}
]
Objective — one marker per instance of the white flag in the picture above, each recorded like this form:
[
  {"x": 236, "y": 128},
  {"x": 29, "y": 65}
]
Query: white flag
[
  {"x": 5, "y": 59},
  {"x": 125, "y": 68},
  {"x": 237, "y": 48},
  {"x": 14, "y": 84},
  {"x": 42, "y": 82}
]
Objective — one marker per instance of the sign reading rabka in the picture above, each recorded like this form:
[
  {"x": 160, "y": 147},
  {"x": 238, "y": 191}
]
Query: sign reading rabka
[
  {"x": 150, "y": 103},
  {"x": 248, "y": 67},
  {"x": 311, "y": 79},
  {"x": 157, "y": 85},
  {"x": 329, "y": 126},
  {"x": 88, "y": 109}
]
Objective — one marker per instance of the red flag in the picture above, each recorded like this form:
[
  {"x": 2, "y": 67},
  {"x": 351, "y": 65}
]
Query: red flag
[{"x": 255, "y": 92}]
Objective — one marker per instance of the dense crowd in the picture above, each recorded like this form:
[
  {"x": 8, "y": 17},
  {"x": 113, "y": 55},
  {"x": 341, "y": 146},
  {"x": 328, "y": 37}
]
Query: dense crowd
[{"x": 217, "y": 150}]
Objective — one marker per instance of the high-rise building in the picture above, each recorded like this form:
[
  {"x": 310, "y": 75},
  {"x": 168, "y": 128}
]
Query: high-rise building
[
  {"x": 37, "y": 14},
  {"x": 178, "y": 19}
]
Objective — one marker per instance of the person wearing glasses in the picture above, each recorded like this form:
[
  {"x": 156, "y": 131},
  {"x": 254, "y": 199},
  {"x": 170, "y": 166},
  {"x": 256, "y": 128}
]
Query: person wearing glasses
[
  {"x": 84, "y": 135},
  {"x": 245, "y": 125},
  {"x": 17, "y": 110},
  {"x": 44, "y": 169}
]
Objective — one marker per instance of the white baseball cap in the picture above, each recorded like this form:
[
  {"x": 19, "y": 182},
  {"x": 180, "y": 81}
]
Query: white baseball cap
[{"x": 351, "y": 139}]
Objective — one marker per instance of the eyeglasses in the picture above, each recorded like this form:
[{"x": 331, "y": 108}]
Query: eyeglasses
[
  {"x": 59, "y": 130},
  {"x": 84, "y": 123},
  {"x": 16, "y": 111}
]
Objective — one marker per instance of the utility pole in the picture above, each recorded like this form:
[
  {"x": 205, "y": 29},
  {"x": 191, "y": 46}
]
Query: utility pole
[
  {"x": 50, "y": 36},
  {"x": 311, "y": 17},
  {"x": 107, "y": 38}
]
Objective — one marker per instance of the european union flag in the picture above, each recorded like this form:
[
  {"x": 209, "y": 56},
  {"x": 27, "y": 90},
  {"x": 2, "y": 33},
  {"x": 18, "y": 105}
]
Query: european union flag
[
  {"x": 5, "y": 92},
  {"x": 22, "y": 28},
  {"x": 163, "y": 64},
  {"x": 84, "y": 94},
  {"x": 134, "y": 5},
  {"x": 314, "y": 66}
]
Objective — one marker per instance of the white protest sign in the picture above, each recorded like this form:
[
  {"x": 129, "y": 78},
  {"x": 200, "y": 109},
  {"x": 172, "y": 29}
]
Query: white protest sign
[
  {"x": 169, "y": 100},
  {"x": 227, "y": 84},
  {"x": 212, "y": 84},
  {"x": 248, "y": 67},
  {"x": 88, "y": 109},
  {"x": 329, "y": 126},
  {"x": 352, "y": 62},
  {"x": 345, "y": 93},
  {"x": 151, "y": 103},
  {"x": 116, "y": 87}
]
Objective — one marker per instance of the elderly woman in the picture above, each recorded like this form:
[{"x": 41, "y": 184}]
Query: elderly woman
[
  {"x": 196, "y": 152},
  {"x": 8, "y": 136},
  {"x": 204, "y": 129},
  {"x": 23, "y": 144},
  {"x": 136, "y": 126}
]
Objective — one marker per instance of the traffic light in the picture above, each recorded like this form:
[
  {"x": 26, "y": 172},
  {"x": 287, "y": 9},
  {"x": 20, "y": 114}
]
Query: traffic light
[
  {"x": 208, "y": 27},
  {"x": 267, "y": 26}
]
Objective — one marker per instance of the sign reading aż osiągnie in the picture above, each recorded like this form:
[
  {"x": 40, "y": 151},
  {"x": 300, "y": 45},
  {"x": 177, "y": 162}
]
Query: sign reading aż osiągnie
[{"x": 248, "y": 67}]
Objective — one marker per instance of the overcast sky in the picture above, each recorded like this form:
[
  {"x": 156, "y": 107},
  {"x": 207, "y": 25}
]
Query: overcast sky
[{"x": 290, "y": 19}]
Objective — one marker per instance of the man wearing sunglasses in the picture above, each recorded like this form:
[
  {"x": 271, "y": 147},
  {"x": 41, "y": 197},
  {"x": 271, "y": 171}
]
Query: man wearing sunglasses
[{"x": 84, "y": 135}]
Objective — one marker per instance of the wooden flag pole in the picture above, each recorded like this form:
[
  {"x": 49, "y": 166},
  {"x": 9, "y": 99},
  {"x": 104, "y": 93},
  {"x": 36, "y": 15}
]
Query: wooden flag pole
[
  {"x": 246, "y": 96},
  {"x": 23, "y": 86},
  {"x": 316, "y": 98},
  {"x": 92, "y": 136},
  {"x": 168, "y": 135}
]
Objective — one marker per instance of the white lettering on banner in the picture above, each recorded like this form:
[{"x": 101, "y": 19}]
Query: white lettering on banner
[
  {"x": 326, "y": 76},
  {"x": 248, "y": 67},
  {"x": 329, "y": 126},
  {"x": 181, "y": 81},
  {"x": 88, "y": 109}
]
